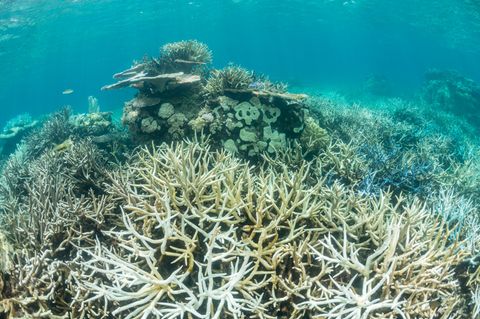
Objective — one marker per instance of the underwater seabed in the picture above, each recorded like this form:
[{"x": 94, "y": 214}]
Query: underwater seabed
[{"x": 223, "y": 195}]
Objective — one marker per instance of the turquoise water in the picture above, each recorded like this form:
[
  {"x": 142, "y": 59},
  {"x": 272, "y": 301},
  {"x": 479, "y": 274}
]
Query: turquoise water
[
  {"x": 223, "y": 193},
  {"x": 49, "y": 46}
]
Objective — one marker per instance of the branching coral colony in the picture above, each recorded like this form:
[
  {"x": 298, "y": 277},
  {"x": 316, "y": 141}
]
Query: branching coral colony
[
  {"x": 191, "y": 230},
  {"x": 184, "y": 231}
]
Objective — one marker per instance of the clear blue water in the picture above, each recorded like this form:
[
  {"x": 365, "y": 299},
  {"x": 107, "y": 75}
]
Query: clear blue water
[{"x": 49, "y": 46}]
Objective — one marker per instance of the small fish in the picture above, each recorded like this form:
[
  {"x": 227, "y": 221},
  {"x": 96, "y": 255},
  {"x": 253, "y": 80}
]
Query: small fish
[{"x": 67, "y": 91}]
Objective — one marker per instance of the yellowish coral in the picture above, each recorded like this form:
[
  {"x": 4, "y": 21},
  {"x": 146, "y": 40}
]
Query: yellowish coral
[
  {"x": 313, "y": 138},
  {"x": 166, "y": 110},
  {"x": 149, "y": 125},
  {"x": 182, "y": 230},
  {"x": 204, "y": 118},
  {"x": 176, "y": 124}
]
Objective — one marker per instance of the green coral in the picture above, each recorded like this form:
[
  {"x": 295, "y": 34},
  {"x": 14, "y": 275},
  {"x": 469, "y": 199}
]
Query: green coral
[
  {"x": 276, "y": 140},
  {"x": 248, "y": 135},
  {"x": 270, "y": 113},
  {"x": 204, "y": 119},
  {"x": 246, "y": 112}
]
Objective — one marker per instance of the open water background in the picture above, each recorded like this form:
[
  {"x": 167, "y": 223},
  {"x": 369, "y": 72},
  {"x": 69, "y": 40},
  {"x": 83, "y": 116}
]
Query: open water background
[{"x": 47, "y": 46}]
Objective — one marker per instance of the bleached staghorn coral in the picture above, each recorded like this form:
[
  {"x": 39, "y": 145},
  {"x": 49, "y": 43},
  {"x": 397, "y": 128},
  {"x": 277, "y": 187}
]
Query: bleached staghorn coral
[
  {"x": 58, "y": 212},
  {"x": 401, "y": 150},
  {"x": 460, "y": 210},
  {"x": 207, "y": 236},
  {"x": 400, "y": 268},
  {"x": 177, "y": 223}
]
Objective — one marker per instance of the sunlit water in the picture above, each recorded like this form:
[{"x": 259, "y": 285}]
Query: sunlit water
[{"x": 47, "y": 47}]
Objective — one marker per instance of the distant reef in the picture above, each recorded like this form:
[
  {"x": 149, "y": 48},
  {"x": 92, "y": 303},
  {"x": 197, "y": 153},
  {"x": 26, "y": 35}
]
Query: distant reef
[
  {"x": 225, "y": 196},
  {"x": 453, "y": 92}
]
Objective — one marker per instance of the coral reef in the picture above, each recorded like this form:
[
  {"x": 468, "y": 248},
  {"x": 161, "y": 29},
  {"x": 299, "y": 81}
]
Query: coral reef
[
  {"x": 399, "y": 149},
  {"x": 203, "y": 235},
  {"x": 60, "y": 132},
  {"x": 14, "y": 131},
  {"x": 60, "y": 208},
  {"x": 92, "y": 124},
  {"x": 248, "y": 202},
  {"x": 452, "y": 92},
  {"x": 248, "y": 115}
]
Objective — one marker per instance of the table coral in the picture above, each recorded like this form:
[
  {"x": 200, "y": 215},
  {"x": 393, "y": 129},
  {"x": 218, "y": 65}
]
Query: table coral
[{"x": 13, "y": 132}]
